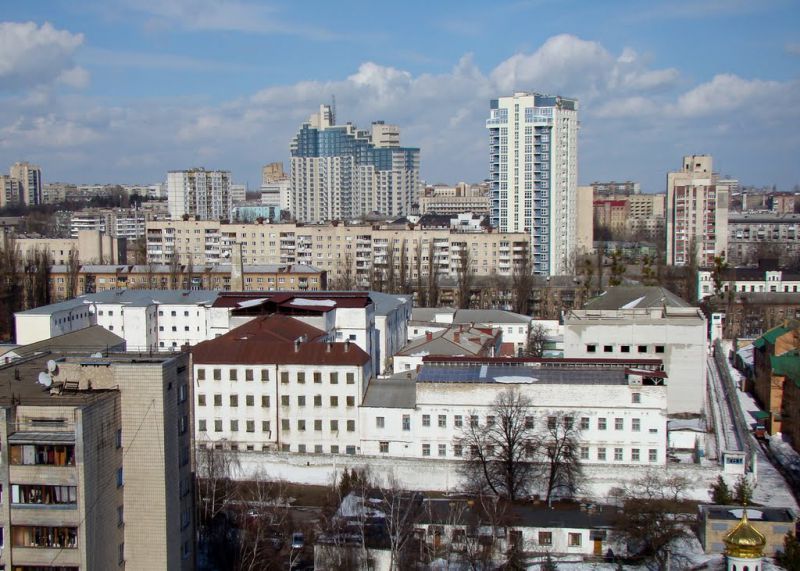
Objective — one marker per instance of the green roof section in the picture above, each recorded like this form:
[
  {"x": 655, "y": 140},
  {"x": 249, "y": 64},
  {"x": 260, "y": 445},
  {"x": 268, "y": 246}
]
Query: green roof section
[
  {"x": 772, "y": 335},
  {"x": 787, "y": 365}
]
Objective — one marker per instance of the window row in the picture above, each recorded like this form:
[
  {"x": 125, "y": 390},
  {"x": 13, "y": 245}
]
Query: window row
[
  {"x": 300, "y": 425},
  {"x": 552, "y": 422},
  {"x": 286, "y": 400},
  {"x": 601, "y": 454},
  {"x": 593, "y": 348},
  {"x": 263, "y": 374}
]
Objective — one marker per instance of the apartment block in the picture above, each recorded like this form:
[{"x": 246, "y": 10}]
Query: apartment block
[
  {"x": 533, "y": 173},
  {"x": 463, "y": 197},
  {"x": 85, "y": 489},
  {"x": 339, "y": 172},
  {"x": 342, "y": 250},
  {"x": 118, "y": 223},
  {"x": 88, "y": 245},
  {"x": 613, "y": 188},
  {"x": 10, "y": 190},
  {"x": 752, "y": 236},
  {"x": 30, "y": 182},
  {"x": 631, "y": 213},
  {"x": 197, "y": 192},
  {"x": 697, "y": 213}
]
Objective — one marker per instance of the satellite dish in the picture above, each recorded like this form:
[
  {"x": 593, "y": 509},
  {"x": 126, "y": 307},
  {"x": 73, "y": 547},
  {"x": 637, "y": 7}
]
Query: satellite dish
[
  {"x": 51, "y": 366},
  {"x": 97, "y": 355},
  {"x": 44, "y": 379}
]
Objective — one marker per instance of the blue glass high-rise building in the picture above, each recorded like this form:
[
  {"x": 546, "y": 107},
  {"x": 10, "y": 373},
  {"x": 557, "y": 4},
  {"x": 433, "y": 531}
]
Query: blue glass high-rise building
[{"x": 341, "y": 173}]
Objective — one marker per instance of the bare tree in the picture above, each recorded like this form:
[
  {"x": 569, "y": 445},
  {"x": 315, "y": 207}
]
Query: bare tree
[
  {"x": 499, "y": 452},
  {"x": 140, "y": 250},
  {"x": 420, "y": 287},
  {"x": 465, "y": 276},
  {"x": 403, "y": 285},
  {"x": 215, "y": 485},
  {"x": 537, "y": 340},
  {"x": 345, "y": 281},
  {"x": 402, "y": 508},
  {"x": 266, "y": 525},
  {"x": 175, "y": 272},
  {"x": 522, "y": 283},
  {"x": 432, "y": 295},
  {"x": 654, "y": 517},
  {"x": 73, "y": 273},
  {"x": 391, "y": 274},
  {"x": 560, "y": 447},
  {"x": 188, "y": 275}
]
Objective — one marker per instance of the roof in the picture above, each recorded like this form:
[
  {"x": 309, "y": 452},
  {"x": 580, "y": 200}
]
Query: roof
[
  {"x": 86, "y": 340},
  {"x": 771, "y": 336},
  {"x": 314, "y": 301},
  {"x": 387, "y": 303},
  {"x": 636, "y": 297},
  {"x": 129, "y": 297},
  {"x": 787, "y": 365},
  {"x": 455, "y": 340},
  {"x": 490, "y": 316},
  {"x": 397, "y": 391},
  {"x": 733, "y": 513},
  {"x": 277, "y": 339}
]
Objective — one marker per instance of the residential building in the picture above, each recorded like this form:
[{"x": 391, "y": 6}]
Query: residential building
[
  {"x": 341, "y": 173},
  {"x": 697, "y": 213},
  {"x": 10, "y": 190},
  {"x": 612, "y": 188},
  {"x": 276, "y": 383},
  {"x": 238, "y": 193},
  {"x": 463, "y": 197},
  {"x": 254, "y": 212},
  {"x": 585, "y": 219},
  {"x": 89, "y": 246},
  {"x": 205, "y": 195},
  {"x": 767, "y": 278},
  {"x": 649, "y": 322},
  {"x": 783, "y": 203},
  {"x": 612, "y": 214},
  {"x": 763, "y": 235},
  {"x": 84, "y": 488},
  {"x": 776, "y": 364},
  {"x": 119, "y": 223},
  {"x": 533, "y": 174},
  {"x": 356, "y": 254},
  {"x": 464, "y": 340},
  {"x": 716, "y": 521},
  {"x": 30, "y": 182},
  {"x": 786, "y": 372}
]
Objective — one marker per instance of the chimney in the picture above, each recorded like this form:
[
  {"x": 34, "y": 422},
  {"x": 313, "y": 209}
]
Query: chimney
[
  {"x": 347, "y": 346},
  {"x": 457, "y": 336},
  {"x": 429, "y": 336},
  {"x": 328, "y": 346},
  {"x": 297, "y": 344}
]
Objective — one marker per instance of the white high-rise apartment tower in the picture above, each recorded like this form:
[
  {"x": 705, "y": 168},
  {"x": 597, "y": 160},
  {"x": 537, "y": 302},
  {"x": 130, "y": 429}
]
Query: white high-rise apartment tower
[
  {"x": 201, "y": 193},
  {"x": 697, "y": 213},
  {"x": 534, "y": 174}
]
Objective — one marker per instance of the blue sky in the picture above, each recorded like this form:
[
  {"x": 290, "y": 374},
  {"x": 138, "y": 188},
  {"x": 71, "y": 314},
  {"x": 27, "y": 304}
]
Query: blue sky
[{"x": 124, "y": 90}]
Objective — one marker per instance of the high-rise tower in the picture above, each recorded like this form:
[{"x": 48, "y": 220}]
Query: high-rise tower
[
  {"x": 30, "y": 181},
  {"x": 201, "y": 193},
  {"x": 534, "y": 174},
  {"x": 340, "y": 172}
]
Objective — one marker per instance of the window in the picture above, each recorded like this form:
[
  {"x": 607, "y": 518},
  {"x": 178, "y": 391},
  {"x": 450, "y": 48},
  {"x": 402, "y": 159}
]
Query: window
[
  {"x": 264, "y": 401},
  {"x": 285, "y": 424},
  {"x": 120, "y": 478},
  {"x": 201, "y": 400},
  {"x": 234, "y": 426},
  {"x": 301, "y": 425},
  {"x": 426, "y": 420},
  {"x": 473, "y": 421},
  {"x": 301, "y": 400},
  {"x": 284, "y": 377},
  {"x": 584, "y": 452},
  {"x": 217, "y": 425},
  {"x": 334, "y": 401},
  {"x": 380, "y": 422},
  {"x": 217, "y": 400},
  {"x": 350, "y": 450},
  {"x": 659, "y": 348},
  {"x": 551, "y": 422},
  {"x": 618, "y": 454},
  {"x": 652, "y": 455},
  {"x": 250, "y": 425},
  {"x": 426, "y": 449},
  {"x": 217, "y": 374},
  {"x": 334, "y": 426},
  {"x": 574, "y": 539},
  {"x": 489, "y": 421},
  {"x": 201, "y": 425},
  {"x": 528, "y": 422},
  {"x": 458, "y": 450},
  {"x": 625, "y": 348},
  {"x": 234, "y": 400},
  {"x": 248, "y": 374},
  {"x": 318, "y": 449},
  {"x": 458, "y": 421},
  {"x": 284, "y": 400},
  {"x": 383, "y": 447},
  {"x": 442, "y": 421},
  {"x": 569, "y": 422},
  {"x": 634, "y": 454},
  {"x": 201, "y": 374},
  {"x": 317, "y": 377},
  {"x": 636, "y": 398},
  {"x": 351, "y": 426},
  {"x": 351, "y": 378},
  {"x": 264, "y": 375},
  {"x": 636, "y": 424},
  {"x": 591, "y": 348},
  {"x": 301, "y": 448},
  {"x": 584, "y": 423},
  {"x": 318, "y": 425},
  {"x": 351, "y": 401},
  {"x": 545, "y": 538},
  {"x": 601, "y": 453},
  {"x": 601, "y": 423},
  {"x": 642, "y": 348},
  {"x": 265, "y": 426},
  {"x": 619, "y": 424},
  {"x": 301, "y": 377},
  {"x": 608, "y": 348},
  {"x": 442, "y": 449},
  {"x": 406, "y": 422},
  {"x": 334, "y": 378}
]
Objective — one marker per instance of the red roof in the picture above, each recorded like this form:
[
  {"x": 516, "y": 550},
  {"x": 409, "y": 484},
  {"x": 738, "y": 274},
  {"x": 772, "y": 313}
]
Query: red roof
[
  {"x": 274, "y": 340},
  {"x": 342, "y": 299}
]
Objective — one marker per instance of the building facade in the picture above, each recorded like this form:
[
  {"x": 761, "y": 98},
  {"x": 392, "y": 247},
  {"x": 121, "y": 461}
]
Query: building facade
[
  {"x": 87, "y": 246},
  {"x": 752, "y": 236},
  {"x": 30, "y": 182},
  {"x": 697, "y": 213},
  {"x": 197, "y": 192},
  {"x": 341, "y": 173},
  {"x": 533, "y": 174}
]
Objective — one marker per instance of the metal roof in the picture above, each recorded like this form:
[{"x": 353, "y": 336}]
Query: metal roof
[{"x": 42, "y": 438}]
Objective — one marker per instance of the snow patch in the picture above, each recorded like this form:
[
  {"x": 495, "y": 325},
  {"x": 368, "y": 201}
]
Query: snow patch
[
  {"x": 420, "y": 354},
  {"x": 751, "y": 514},
  {"x": 515, "y": 380},
  {"x": 318, "y": 302},
  {"x": 252, "y": 302}
]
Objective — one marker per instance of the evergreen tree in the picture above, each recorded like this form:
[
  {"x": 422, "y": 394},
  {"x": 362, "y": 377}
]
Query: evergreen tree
[
  {"x": 549, "y": 564},
  {"x": 789, "y": 558},
  {"x": 720, "y": 493},
  {"x": 743, "y": 491}
]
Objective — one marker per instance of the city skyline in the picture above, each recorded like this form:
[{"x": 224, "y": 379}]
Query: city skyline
[{"x": 126, "y": 91}]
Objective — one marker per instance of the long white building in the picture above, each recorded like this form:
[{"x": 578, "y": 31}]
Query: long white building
[
  {"x": 533, "y": 148},
  {"x": 199, "y": 193}
]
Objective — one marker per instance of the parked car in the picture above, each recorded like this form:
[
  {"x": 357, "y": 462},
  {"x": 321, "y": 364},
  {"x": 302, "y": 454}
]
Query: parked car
[{"x": 298, "y": 540}]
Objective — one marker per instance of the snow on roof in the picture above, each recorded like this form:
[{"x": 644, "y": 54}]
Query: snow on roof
[
  {"x": 301, "y": 301},
  {"x": 252, "y": 302},
  {"x": 693, "y": 424},
  {"x": 751, "y": 514},
  {"x": 515, "y": 380},
  {"x": 632, "y": 304}
]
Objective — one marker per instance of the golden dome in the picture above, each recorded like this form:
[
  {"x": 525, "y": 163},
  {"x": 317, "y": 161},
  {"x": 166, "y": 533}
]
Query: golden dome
[{"x": 744, "y": 540}]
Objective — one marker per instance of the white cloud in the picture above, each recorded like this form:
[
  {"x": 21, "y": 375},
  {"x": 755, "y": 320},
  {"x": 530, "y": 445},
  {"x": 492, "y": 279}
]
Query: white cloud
[
  {"x": 32, "y": 55},
  {"x": 724, "y": 93}
]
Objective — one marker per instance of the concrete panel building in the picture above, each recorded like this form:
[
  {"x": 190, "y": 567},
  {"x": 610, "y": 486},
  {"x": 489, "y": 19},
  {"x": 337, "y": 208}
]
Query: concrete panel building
[{"x": 197, "y": 192}]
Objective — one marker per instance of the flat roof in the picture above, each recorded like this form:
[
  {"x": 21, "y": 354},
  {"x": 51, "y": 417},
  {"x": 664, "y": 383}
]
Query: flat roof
[
  {"x": 636, "y": 297},
  {"x": 520, "y": 374},
  {"x": 397, "y": 391}
]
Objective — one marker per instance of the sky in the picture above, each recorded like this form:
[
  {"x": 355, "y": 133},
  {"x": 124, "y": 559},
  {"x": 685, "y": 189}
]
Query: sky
[{"x": 122, "y": 91}]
